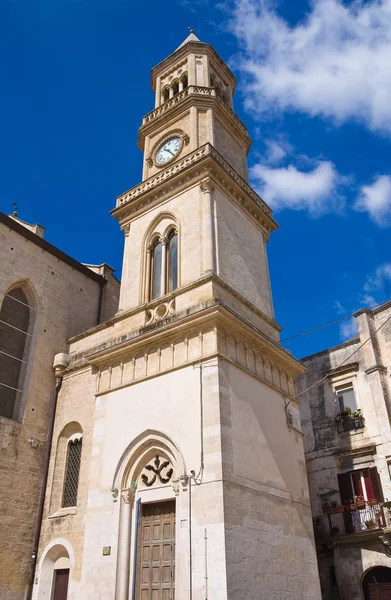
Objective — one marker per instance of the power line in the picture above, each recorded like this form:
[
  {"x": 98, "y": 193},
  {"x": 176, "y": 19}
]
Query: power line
[
  {"x": 323, "y": 326},
  {"x": 340, "y": 365}
]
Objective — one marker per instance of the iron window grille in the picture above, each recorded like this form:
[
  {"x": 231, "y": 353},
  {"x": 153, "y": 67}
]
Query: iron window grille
[{"x": 72, "y": 473}]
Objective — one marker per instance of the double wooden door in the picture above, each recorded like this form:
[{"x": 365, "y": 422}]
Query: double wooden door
[{"x": 156, "y": 552}]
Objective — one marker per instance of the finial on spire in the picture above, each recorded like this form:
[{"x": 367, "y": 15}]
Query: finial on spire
[{"x": 15, "y": 213}]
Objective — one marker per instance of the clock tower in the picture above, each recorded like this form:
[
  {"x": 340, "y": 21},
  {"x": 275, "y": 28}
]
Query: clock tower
[{"x": 193, "y": 481}]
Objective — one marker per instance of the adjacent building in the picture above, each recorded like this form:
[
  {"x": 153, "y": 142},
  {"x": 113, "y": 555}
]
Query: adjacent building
[
  {"x": 45, "y": 297},
  {"x": 177, "y": 466},
  {"x": 346, "y": 413}
]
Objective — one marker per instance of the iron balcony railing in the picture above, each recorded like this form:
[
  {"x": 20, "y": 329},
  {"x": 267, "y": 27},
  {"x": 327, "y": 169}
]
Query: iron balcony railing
[
  {"x": 353, "y": 518},
  {"x": 350, "y": 423}
]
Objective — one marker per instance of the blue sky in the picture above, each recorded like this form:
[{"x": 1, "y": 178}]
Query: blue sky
[{"x": 314, "y": 89}]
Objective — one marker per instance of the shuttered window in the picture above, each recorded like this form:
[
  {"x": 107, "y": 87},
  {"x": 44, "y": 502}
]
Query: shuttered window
[
  {"x": 72, "y": 473},
  {"x": 362, "y": 482}
]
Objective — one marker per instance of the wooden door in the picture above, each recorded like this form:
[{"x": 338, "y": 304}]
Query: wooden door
[
  {"x": 61, "y": 578},
  {"x": 156, "y": 552},
  {"x": 379, "y": 591}
]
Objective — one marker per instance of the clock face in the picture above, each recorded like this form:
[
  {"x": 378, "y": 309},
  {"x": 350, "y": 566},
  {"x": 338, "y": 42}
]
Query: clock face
[{"x": 168, "y": 150}]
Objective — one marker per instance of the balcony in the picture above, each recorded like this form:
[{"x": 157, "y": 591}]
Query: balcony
[
  {"x": 193, "y": 91},
  {"x": 357, "y": 517},
  {"x": 349, "y": 421}
]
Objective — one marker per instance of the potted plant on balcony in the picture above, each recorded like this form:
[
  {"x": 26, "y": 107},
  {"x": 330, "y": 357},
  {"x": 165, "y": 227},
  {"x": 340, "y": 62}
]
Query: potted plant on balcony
[
  {"x": 356, "y": 413},
  {"x": 340, "y": 508},
  {"x": 350, "y": 505},
  {"x": 370, "y": 524},
  {"x": 346, "y": 413},
  {"x": 360, "y": 502}
]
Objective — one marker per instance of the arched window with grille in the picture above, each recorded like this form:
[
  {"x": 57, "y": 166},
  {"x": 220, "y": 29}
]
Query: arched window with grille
[
  {"x": 17, "y": 317},
  {"x": 72, "y": 471},
  {"x": 163, "y": 265}
]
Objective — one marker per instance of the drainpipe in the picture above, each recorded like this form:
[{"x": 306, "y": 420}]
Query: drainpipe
[{"x": 60, "y": 363}]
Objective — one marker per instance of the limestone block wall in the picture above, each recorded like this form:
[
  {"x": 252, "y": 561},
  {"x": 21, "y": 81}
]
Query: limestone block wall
[
  {"x": 66, "y": 304},
  {"x": 242, "y": 265},
  {"x": 229, "y": 148},
  {"x": 268, "y": 524}
]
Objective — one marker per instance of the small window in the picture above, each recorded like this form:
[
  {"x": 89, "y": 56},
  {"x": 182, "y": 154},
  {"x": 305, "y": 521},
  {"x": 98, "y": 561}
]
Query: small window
[
  {"x": 173, "y": 263},
  {"x": 346, "y": 399},
  {"x": 175, "y": 88},
  {"x": 166, "y": 94},
  {"x": 185, "y": 82},
  {"x": 72, "y": 471},
  {"x": 156, "y": 271},
  {"x": 17, "y": 317}
]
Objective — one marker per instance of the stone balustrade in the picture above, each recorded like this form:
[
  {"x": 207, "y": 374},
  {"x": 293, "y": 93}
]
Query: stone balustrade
[{"x": 192, "y": 90}]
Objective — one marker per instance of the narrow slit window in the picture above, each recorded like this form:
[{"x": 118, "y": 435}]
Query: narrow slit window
[
  {"x": 72, "y": 471},
  {"x": 173, "y": 263},
  {"x": 156, "y": 272}
]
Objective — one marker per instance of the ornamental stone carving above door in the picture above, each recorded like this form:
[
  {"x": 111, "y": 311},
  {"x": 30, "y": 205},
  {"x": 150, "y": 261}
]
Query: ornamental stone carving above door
[{"x": 158, "y": 470}]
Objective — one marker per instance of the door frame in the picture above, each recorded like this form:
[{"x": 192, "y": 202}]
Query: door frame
[{"x": 138, "y": 542}]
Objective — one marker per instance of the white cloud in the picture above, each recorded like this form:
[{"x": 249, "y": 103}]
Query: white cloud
[
  {"x": 288, "y": 187},
  {"x": 335, "y": 63},
  {"x": 379, "y": 279},
  {"x": 368, "y": 300},
  {"x": 276, "y": 151},
  {"x": 376, "y": 200},
  {"x": 339, "y": 307},
  {"x": 348, "y": 329}
]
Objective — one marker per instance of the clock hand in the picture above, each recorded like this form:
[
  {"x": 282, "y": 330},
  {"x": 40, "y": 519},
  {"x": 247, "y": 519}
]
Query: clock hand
[{"x": 167, "y": 150}]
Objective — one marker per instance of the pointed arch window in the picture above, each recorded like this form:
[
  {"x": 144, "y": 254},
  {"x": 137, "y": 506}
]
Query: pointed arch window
[
  {"x": 163, "y": 266},
  {"x": 17, "y": 317},
  {"x": 72, "y": 471}
]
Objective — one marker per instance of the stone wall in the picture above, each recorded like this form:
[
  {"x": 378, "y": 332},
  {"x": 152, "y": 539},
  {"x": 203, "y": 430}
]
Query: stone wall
[{"x": 66, "y": 304}]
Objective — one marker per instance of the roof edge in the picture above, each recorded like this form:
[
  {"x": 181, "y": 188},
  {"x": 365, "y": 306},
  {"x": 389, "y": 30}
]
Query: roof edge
[{"x": 32, "y": 237}]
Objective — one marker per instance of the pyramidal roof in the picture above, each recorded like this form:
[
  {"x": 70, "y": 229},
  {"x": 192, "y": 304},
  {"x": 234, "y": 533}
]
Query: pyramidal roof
[{"x": 190, "y": 38}]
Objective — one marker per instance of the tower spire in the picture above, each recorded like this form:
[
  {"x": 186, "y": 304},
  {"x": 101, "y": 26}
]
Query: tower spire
[{"x": 190, "y": 38}]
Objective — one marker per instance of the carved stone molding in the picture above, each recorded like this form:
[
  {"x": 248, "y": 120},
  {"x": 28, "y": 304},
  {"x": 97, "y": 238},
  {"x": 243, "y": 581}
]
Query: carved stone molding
[
  {"x": 158, "y": 470},
  {"x": 243, "y": 194},
  {"x": 207, "y": 186},
  {"x": 128, "y": 495}
]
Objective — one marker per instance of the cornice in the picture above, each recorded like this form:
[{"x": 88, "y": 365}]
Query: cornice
[
  {"x": 204, "y": 97},
  {"x": 203, "y": 162},
  {"x": 203, "y": 280},
  {"x": 215, "y": 314},
  {"x": 212, "y": 332}
]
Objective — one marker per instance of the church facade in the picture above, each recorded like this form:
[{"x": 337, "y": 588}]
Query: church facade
[{"x": 177, "y": 464}]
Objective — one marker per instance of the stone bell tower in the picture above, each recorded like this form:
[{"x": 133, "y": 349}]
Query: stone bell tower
[
  {"x": 251, "y": 490},
  {"x": 192, "y": 474}
]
